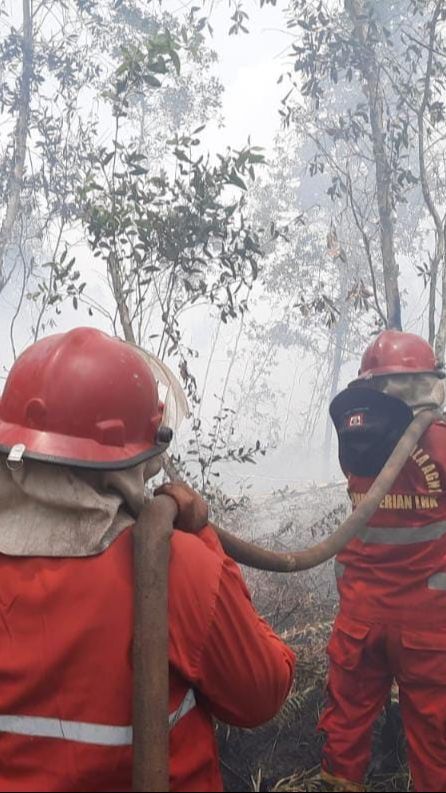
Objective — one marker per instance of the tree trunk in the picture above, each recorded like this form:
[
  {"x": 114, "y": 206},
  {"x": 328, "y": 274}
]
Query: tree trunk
[
  {"x": 15, "y": 183},
  {"x": 439, "y": 257},
  {"x": 358, "y": 12},
  {"x": 121, "y": 303},
  {"x": 440, "y": 339},
  {"x": 340, "y": 333}
]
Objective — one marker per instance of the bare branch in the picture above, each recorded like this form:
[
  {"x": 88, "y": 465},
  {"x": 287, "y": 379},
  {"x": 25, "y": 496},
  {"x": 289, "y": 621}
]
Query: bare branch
[
  {"x": 25, "y": 272},
  {"x": 368, "y": 250},
  {"x": 427, "y": 195},
  {"x": 371, "y": 74},
  {"x": 20, "y": 141},
  {"x": 121, "y": 302}
]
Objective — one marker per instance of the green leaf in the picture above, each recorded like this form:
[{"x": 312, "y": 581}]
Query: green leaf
[
  {"x": 180, "y": 155},
  {"x": 176, "y": 61},
  {"x": 235, "y": 179},
  {"x": 152, "y": 81},
  {"x": 158, "y": 66},
  {"x": 254, "y": 158}
]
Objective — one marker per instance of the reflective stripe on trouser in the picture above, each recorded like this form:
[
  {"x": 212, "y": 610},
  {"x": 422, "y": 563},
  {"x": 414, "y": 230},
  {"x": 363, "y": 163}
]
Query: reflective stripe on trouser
[
  {"x": 84, "y": 732},
  {"x": 364, "y": 660},
  {"x": 403, "y": 535},
  {"x": 437, "y": 581}
]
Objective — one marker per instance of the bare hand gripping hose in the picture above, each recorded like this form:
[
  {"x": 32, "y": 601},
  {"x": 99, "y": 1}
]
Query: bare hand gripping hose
[{"x": 152, "y": 533}]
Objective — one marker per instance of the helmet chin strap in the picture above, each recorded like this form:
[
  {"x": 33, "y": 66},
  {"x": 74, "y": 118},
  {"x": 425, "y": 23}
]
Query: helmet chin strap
[
  {"x": 152, "y": 467},
  {"x": 15, "y": 457}
]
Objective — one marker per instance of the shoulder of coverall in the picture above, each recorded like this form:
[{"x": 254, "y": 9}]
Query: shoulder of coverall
[
  {"x": 435, "y": 438},
  {"x": 195, "y": 571},
  {"x": 218, "y": 641},
  {"x": 196, "y": 568}
]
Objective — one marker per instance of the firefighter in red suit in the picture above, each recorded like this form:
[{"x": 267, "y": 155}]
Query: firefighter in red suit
[
  {"x": 391, "y": 624},
  {"x": 81, "y": 431}
]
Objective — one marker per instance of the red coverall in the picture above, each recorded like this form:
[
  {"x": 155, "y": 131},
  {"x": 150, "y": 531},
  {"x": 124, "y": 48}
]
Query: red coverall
[
  {"x": 66, "y": 674},
  {"x": 392, "y": 623}
]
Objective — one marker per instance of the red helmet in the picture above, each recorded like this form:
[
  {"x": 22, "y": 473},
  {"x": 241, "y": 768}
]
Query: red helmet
[
  {"x": 394, "y": 352},
  {"x": 82, "y": 398}
]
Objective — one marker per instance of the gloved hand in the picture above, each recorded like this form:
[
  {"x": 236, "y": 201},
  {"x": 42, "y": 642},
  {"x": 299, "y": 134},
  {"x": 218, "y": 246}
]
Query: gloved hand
[{"x": 192, "y": 509}]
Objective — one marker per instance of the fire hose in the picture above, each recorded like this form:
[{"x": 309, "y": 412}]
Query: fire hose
[{"x": 153, "y": 531}]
